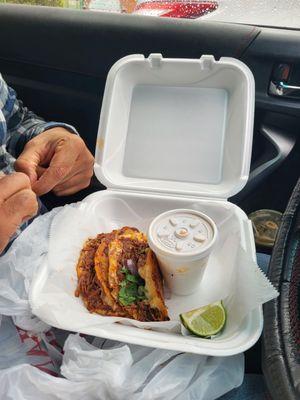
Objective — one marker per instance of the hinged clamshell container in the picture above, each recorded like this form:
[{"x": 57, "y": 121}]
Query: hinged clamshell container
[{"x": 173, "y": 134}]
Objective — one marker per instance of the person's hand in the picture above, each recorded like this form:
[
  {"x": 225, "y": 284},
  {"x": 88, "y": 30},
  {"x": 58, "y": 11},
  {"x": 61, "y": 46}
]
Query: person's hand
[
  {"x": 56, "y": 160},
  {"x": 18, "y": 203}
]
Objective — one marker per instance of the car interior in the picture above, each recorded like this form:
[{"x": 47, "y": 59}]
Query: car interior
[{"x": 58, "y": 60}]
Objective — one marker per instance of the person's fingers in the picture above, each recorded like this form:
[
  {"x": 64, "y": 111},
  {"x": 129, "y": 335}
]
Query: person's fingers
[
  {"x": 37, "y": 152},
  {"x": 11, "y": 184},
  {"x": 76, "y": 187},
  {"x": 40, "y": 171},
  {"x": 74, "y": 184},
  {"x": 72, "y": 173},
  {"x": 18, "y": 208},
  {"x": 83, "y": 165},
  {"x": 17, "y": 201},
  {"x": 71, "y": 190},
  {"x": 27, "y": 163},
  {"x": 50, "y": 178},
  {"x": 66, "y": 153},
  {"x": 53, "y": 158},
  {"x": 82, "y": 177}
]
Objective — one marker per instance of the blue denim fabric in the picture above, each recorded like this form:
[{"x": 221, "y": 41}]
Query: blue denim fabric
[{"x": 253, "y": 388}]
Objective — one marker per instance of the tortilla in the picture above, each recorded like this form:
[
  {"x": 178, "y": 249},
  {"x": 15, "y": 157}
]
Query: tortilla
[{"x": 118, "y": 275}]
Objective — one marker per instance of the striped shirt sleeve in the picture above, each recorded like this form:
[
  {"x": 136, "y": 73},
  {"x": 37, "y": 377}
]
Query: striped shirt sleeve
[{"x": 22, "y": 124}]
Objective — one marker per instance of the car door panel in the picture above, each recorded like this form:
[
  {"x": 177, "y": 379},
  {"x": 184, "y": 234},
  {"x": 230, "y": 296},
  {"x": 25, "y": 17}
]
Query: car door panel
[{"x": 280, "y": 162}]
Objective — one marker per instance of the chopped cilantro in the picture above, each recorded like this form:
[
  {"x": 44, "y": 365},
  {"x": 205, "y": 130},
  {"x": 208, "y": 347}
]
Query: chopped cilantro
[
  {"x": 132, "y": 288},
  {"x": 132, "y": 278},
  {"x": 125, "y": 298}
]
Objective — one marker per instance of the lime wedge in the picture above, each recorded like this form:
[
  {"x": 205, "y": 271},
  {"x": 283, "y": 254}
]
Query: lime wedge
[{"x": 205, "y": 321}]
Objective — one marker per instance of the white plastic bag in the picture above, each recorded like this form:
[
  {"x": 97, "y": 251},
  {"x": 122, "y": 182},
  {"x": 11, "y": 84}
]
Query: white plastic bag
[
  {"x": 122, "y": 372},
  {"x": 142, "y": 373},
  {"x": 18, "y": 347},
  {"x": 25, "y": 382}
]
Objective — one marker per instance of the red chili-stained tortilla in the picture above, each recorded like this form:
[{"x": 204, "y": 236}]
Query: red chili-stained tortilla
[{"x": 100, "y": 272}]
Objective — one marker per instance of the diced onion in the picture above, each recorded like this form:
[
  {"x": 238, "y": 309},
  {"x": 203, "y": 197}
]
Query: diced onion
[{"x": 132, "y": 267}]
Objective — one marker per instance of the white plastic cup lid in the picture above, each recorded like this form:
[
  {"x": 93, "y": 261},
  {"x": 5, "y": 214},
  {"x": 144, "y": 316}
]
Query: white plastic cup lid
[{"x": 182, "y": 233}]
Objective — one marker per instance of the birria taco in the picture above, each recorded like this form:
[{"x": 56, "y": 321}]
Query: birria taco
[{"x": 118, "y": 275}]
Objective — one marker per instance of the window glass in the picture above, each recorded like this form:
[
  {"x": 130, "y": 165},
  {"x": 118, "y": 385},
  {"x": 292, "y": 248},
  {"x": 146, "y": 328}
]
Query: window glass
[
  {"x": 49, "y": 3},
  {"x": 283, "y": 13}
]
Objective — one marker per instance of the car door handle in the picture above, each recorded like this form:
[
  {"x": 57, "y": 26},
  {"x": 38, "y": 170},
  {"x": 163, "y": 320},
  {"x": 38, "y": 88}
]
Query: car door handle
[
  {"x": 282, "y": 89},
  {"x": 280, "y": 145},
  {"x": 283, "y": 145}
]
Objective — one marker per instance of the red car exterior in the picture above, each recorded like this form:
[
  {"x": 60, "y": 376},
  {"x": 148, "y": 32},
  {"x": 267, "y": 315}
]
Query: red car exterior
[{"x": 175, "y": 8}]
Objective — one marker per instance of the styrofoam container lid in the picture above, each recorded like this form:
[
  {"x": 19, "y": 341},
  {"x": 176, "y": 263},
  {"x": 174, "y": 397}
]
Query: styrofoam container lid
[{"x": 177, "y": 126}]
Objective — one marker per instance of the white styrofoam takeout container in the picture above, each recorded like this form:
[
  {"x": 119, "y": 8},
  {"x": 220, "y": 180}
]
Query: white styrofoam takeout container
[{"x": 177, "y": 133}]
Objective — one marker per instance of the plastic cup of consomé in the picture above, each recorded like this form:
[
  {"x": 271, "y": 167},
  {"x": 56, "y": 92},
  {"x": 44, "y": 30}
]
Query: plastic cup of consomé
[{"x": 182, "y": 240}]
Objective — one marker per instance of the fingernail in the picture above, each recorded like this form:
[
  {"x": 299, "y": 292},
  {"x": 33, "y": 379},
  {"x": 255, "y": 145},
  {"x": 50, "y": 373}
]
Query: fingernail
[
  {"x": 25, "y": 219},
  {"x": 28, "y": 217}
]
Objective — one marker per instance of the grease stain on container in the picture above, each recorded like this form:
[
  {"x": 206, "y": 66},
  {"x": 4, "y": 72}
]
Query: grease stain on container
[
  {"x": 100, "y": 144},
  {"x": 181, "y": 270}
]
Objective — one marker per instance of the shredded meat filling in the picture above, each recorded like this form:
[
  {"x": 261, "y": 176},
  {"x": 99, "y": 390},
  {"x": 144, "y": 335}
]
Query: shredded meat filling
[
  {"x": 88, "y": 286},
  {"x": 133, "y": 250}
]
